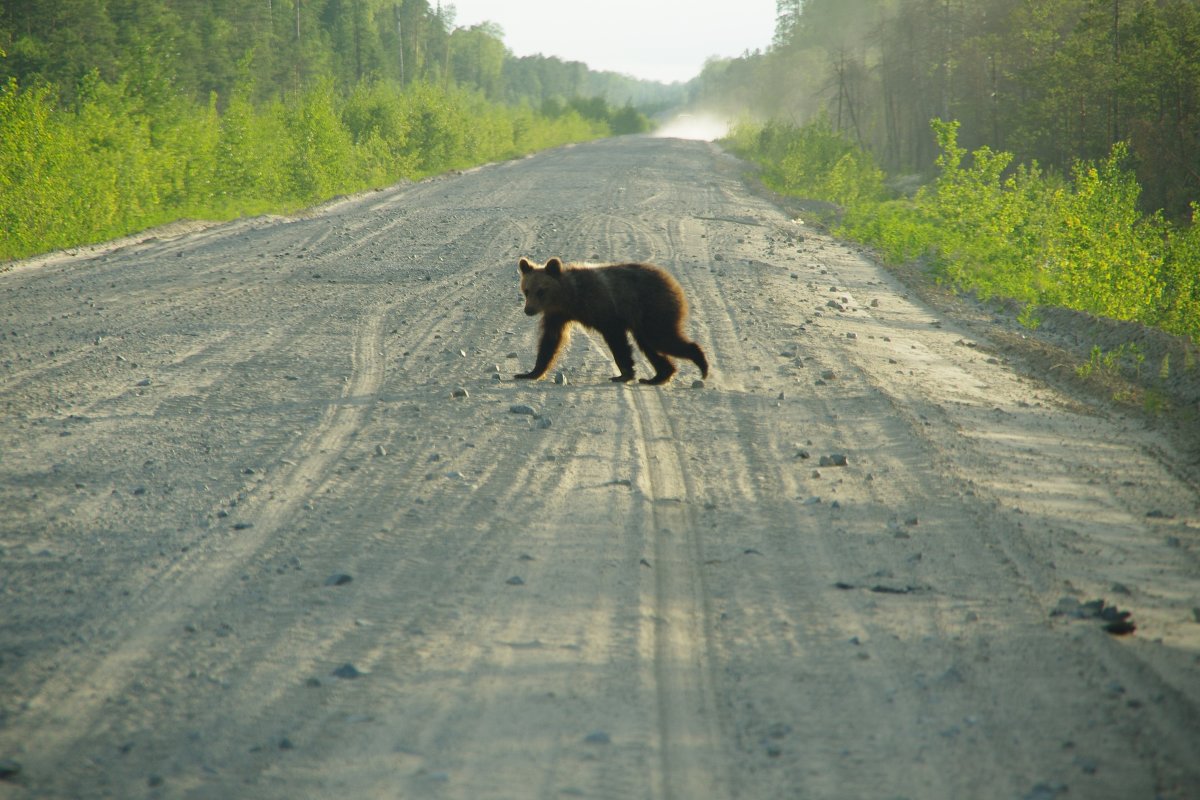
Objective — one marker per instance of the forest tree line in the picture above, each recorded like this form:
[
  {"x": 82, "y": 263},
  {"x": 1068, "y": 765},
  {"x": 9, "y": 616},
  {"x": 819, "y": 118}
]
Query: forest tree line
[
  {"x": 1051, "y": 81},
  {"x": 262, "y": 48},
  {"x": 116, "y": 115}
]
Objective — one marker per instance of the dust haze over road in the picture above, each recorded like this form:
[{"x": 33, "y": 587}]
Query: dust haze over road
[{"x": 253, "y": 546}]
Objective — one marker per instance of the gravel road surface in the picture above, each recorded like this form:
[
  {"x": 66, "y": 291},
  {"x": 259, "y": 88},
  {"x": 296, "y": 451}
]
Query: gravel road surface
[{"x": 278, "y": 523}]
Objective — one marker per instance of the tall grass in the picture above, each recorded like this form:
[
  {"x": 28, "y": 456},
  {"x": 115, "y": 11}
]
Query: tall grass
[
  {"x": 983, "y": 225},
  {"x": 116, "y": 163}
]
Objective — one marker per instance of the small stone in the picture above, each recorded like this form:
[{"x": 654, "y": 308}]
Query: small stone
[
  {"x": 560, "y": 378},
  {"x": 1120, "y": 627},
  {"x": 154, "y": 781},
  {"x": 348, "y": 671},
  {"x": 144, "y": 382},
  {"x": 242, "y": 526},
  {"x": 697, "y": 384},
  {"x": 543, "y": 423},
  {"x": 286, "y": 744},
  {"x": 9, "y": 769},
  {"x": 380, "y": 450},
  {"x": 828, "y": 375},
  {"x": 851, "y": 335},
  {"x": 834, "y": 460},
  {"x": 598, "y": 737},
  {"x": 521, "y": 408},
  {"x": 338, "y": 579},
  {"x": 515, "y": 580},
  {"x": 460, "y": 391},
  {"x": 779, "y": 730}
]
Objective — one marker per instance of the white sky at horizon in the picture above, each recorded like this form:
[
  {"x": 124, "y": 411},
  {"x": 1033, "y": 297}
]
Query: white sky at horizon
[{"x": 661, "y": 40}]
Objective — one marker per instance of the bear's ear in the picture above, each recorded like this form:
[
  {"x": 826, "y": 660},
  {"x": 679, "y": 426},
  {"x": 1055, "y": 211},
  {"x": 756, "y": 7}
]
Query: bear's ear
[
  {"x": 525, "y": 266},
  {"x": 554, "y": 266}
]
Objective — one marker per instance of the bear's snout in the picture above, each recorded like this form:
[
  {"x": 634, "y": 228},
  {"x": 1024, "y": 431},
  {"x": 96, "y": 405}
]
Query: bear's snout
[{"x": 529, "y": 312}]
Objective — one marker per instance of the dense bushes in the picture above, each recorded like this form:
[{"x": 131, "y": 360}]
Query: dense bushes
[
  {"x": 987, "y": 227},
  {"x": 116, "y": 162}
]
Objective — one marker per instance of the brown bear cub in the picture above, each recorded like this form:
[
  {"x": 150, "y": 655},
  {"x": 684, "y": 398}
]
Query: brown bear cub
[{"x": 612, "y": 299}]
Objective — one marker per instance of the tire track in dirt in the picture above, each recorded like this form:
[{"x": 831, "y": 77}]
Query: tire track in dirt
[
  {"x": 692, "y": 760},
  {"x": 80, "y": 690}
]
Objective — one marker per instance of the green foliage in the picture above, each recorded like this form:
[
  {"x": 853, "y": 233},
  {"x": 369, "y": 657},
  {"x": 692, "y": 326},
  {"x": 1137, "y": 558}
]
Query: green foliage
[
  {"x": 112, "y": 165},
  {"x": 1180, "y": 310},
  {"x": 1108, "y": 364},
  {"x": 319, "y": 153},
  {"x": 1107, "y": 258},
  {"x": 998, "y": 230},
  {"x": 813, "y": 160}
]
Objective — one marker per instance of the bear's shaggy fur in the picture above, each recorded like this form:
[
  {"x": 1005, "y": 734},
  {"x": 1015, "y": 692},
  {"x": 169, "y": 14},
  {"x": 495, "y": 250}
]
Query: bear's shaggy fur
[{"x": 610, "y": 299}]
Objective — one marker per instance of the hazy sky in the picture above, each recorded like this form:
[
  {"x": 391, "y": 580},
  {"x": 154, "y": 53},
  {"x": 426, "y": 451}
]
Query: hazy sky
[{"x": 664, "y": 40}]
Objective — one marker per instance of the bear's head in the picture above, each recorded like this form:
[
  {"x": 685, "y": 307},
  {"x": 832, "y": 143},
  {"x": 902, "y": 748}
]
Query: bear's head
[{"x": 542, "y": 286}]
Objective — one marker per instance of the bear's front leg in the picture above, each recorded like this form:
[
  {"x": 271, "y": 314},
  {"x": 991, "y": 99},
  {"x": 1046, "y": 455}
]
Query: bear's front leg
[
  {"x": 551, "y": 341},
  {"x": 618, "y": 343}
]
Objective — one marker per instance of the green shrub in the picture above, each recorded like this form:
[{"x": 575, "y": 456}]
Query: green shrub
[
  {"x": 116, "y": 162},
  {"x": 998, "y": 230}
]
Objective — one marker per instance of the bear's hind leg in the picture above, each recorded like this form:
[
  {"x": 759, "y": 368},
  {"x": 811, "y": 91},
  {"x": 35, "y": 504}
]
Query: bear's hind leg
[
  {"x": 663, "y": 368},
  {"x": 682, "y": 348},
  {"x": 696, "y": 356}
]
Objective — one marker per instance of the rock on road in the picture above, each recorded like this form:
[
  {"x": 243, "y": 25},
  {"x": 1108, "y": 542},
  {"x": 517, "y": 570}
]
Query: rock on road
[{"x": 277, "y": 522}]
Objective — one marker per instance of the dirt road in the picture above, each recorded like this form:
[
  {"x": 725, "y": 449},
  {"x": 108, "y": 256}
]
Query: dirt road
[{"x": 252, "y": 545}]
